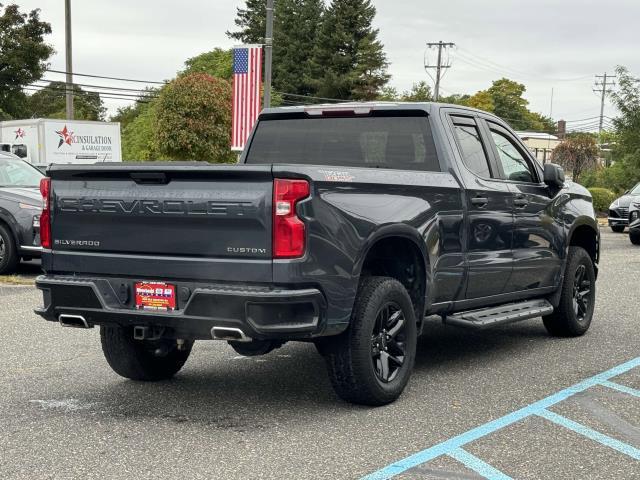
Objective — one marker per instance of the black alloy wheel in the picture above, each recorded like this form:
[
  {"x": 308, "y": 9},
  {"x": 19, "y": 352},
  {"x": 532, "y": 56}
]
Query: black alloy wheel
[
  {"x": 581, "y": 292},
  {"x": 388, "y": 342}
]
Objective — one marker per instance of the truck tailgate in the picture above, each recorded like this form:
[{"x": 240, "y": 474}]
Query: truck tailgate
[{"x": 194, "y": 221}]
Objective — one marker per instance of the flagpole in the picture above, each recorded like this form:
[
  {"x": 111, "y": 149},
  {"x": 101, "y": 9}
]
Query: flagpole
[{"x": 268, "y": 54}]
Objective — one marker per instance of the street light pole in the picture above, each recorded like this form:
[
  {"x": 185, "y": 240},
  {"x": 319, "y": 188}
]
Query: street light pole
[
  {"x": 69, "y": 63},
  {"x": 268, "y": 54}
]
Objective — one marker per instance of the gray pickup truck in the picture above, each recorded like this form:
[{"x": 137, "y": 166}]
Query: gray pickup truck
[{"x": 343, "y": 225}]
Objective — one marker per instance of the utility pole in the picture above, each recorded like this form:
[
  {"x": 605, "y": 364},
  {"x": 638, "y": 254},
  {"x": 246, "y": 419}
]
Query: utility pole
[
  {"x": 268, "y": 54},
  {"x": 600, "y": 87},
  {"x": 69, "y": 63},
  {"x": 438, "y": 66}
]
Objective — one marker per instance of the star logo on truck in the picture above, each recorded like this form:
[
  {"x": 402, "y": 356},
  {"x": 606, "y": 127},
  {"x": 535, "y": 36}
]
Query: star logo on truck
[
  {"x": 19, "y": 133},
  {"x": 66, "y": 136}
]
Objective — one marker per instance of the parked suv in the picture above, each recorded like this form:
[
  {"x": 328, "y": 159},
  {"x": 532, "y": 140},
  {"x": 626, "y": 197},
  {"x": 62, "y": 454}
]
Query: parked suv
[
  {"x": 343, "y": 225},
  {"x": 619, "y": 209},
  {"x": 20, "y": 207}
]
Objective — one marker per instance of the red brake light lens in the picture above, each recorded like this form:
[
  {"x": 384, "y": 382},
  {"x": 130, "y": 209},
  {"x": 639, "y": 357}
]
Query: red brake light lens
[
  {"x": 45, "y": 216},
  {"x": 289, "y": 232}
]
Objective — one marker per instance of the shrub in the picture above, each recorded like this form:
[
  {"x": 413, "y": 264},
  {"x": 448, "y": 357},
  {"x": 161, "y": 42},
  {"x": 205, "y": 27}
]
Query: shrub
[
  {"x": 194, "y": 119},
  {"x": 602, "y": 198}
]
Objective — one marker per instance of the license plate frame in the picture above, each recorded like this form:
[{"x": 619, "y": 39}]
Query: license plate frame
[{"x": 155, "y": 296}]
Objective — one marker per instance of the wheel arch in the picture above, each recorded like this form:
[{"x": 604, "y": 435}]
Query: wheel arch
[
  {"x": 8, "y": 221},
  {"x": 397, "y": 251},
  {"x": 584, "y": 233}
]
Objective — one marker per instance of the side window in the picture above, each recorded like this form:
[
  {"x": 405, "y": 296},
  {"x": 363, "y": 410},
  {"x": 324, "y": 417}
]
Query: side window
[
  {"x": 19, "y": 150},
  {"x": 514, "y": 164},
  {"x": 472, "y": 150}
]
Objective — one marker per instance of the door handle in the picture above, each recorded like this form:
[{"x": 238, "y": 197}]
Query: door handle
[
  {"x": 479, "y": 201},
  {"x": 521, "y": 202}
]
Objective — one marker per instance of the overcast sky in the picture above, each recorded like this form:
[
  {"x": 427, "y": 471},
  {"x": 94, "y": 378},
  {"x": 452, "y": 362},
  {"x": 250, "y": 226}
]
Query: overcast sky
[{"x": 544, "y": 44}]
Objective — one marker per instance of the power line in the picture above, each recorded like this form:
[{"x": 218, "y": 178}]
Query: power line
[
  {"x": 62, "y": 94},
  {"x": 496, "y": 67},
  {"x": 107, "y": 78},
  {"x": 104, "y": 87}
]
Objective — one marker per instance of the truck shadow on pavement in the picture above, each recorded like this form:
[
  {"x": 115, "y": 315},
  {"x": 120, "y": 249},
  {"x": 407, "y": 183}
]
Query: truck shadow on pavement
[{"x": 288, "y": 385}]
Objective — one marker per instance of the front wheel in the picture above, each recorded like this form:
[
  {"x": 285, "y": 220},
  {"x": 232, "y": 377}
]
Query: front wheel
[
  {"x": 635, "y": 237},
  {"x": 8, "y": 251},
  {"x": 573, "y": 315},
  {"x": 371, "y": 362},
  {"x": 617, "y": 228},
  {"x": 142, "y": 360}
]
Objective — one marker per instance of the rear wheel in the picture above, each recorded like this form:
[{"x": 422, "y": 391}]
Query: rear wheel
[
  {"x": 573, "y": 315},
  {"x": 143, "y": 360},
  {"x": 372, "y": 361},
  {"x": 635, "y": 237},
  {"x": 8, "y": 251},
  {"x": 617, "y": 228}
]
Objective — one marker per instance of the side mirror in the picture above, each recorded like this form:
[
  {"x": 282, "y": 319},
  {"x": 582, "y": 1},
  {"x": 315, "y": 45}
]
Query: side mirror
[{"x": 553, "y": 175}]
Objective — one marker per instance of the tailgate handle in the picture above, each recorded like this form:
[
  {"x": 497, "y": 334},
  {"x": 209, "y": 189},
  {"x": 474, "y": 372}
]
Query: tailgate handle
[{"x": 149, "y": 178}]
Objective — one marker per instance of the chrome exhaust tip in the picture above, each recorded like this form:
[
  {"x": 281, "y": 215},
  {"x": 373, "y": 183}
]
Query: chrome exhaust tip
[
  {"x": 229, "y": 334},
  {"x": 73, "y": 321}
]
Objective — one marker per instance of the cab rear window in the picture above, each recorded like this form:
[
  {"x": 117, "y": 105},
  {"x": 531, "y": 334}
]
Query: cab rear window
[{"x": 384, "y": 141}]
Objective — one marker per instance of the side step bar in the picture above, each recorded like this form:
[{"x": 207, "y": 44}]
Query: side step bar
[{"x": 492, "y": 316}]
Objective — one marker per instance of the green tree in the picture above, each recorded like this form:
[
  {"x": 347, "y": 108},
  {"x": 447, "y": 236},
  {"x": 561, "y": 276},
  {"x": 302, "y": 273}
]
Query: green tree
[
  {"x": 626, "y": 99},
  {"x": 509, "y": 103},
  {"x": 23, "y": 56},
  {"x": 482, "y": 100},
  {"x": 217, "y": 63},
  {"x": 420, "y": 92},
  {"x": 296, "y": 28},
  {"x": 49, "y": 102},
  {"x": 388, "y": 94},
  {"x": 126, "y": 115},
  {"x": 251, "y": 22},
  {"x": 578, "y": 153},
  {"x": 295, "y": 33},
  {"x": 348, "y": 60},
  {"x": 194, "y": 119},
  {"x": 139, "y": 134}
]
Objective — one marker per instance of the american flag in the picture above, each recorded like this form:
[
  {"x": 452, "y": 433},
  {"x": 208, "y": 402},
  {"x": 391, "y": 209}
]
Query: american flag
[{"x": 247, "y": 78}]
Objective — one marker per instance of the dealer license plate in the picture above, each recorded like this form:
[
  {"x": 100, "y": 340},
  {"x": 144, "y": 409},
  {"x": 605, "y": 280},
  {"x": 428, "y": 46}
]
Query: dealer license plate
[{"x": 155, "y": 296}]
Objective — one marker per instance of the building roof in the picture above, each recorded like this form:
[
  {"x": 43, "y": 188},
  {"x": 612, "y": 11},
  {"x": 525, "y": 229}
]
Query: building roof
[{"x": 537, "y": 135}]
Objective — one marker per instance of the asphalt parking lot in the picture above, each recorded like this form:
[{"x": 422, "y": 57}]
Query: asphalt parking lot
[{"x": 498, "y": 402}]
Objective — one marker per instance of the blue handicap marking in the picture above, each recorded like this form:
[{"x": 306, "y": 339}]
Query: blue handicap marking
[
  {"x": 479, "y": 466},
  {"x": 590, "y": 433},
  {"x": 453, "y": 446},
  {"x": 621, "y": 388}
]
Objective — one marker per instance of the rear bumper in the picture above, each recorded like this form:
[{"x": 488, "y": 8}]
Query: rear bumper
[{"x": 260, "y": 312}]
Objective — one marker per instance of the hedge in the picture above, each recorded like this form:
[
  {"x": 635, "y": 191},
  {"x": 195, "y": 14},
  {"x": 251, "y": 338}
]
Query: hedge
[{"x": 602, "y": 198}]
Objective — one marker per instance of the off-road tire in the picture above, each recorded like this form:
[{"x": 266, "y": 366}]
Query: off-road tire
[
  {"x": 349, "y": 355},
  {"x": 564, "y": 321},
  {"x": 635, "y": 238},
  {"x": 9, "y": 261},
  {"x": 135, "y": 359},
  {"x": 617, "y": 228}
]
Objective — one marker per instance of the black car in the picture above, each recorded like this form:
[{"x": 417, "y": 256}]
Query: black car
[
  {"x": 634, "y": 221},
  {"x": 619, "y": 209},
  {"x": 20, "y": 207}
]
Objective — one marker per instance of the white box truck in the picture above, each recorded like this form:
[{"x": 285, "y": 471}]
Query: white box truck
[{"x": 43, "y": 141}]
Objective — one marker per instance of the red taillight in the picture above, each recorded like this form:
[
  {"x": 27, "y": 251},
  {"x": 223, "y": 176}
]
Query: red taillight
[
  {"x": 45, "y": 216},
  {"x": 289, "y": 236}
]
